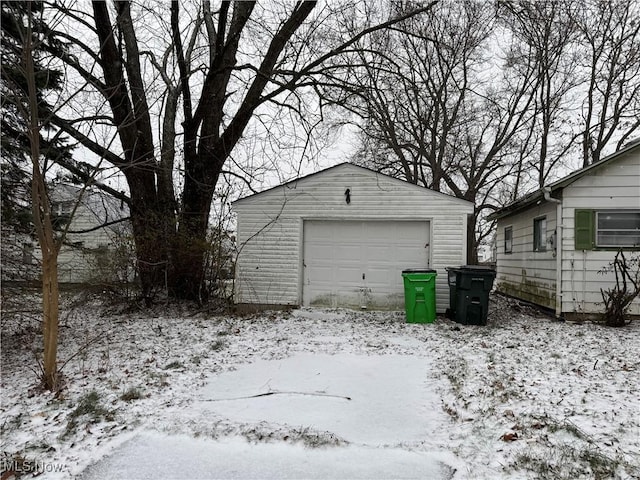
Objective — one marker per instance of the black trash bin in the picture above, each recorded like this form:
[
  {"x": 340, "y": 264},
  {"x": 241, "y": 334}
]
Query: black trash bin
[
  {"x": 451, "y": 279},
  {"x": 469, "y": 287}
]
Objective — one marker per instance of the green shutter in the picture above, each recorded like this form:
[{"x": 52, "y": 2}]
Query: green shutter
[{"x": 585, "y": 229}]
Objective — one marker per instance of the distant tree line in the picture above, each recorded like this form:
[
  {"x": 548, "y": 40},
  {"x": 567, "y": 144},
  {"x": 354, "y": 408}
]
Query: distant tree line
[
  {"x": 486, "y": 100},
  {"x": 481, "y": 100}
]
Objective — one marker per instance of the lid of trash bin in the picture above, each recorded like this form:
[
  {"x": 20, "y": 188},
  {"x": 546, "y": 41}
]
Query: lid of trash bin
[
  {"x": 479, "y": 268},
  {"x": 418, "y": 270}
]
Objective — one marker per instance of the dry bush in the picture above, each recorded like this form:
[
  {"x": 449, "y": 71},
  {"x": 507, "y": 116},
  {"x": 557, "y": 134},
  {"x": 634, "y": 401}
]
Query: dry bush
[{"x": 627, "y": 288}]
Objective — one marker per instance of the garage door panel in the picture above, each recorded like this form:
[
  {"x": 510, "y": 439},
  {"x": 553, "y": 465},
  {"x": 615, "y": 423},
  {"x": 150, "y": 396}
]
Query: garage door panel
[
  {"x": 337, "y": 254},
  {"x": 324, "y": 251},
  {"x": 347, "y": 251},
  {"x": 316, "y": 274},
  {"x": 344, "y": 273},
  {"x": 379, "y": 252},
  {"x": 405, "y": 255},
  {"x": 380, "y": 275},
  {"x": 348, "y": 231}
]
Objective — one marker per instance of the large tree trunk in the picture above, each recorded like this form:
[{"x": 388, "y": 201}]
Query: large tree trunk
[
  {"x": 186, "y": 274},
  {"x": 151, "y": 231},
  {"x": 150, "y": 249},
  {"x": 189, "y": 247},
  {"x": 127, "y": 99}
]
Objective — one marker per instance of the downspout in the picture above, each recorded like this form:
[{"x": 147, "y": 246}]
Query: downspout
[{"x": 558, "y": 241}]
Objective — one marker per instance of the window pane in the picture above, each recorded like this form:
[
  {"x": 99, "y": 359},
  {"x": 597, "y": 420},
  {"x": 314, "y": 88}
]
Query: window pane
[
  {"x": 619, "y": 220},
  {"x": 618, "y": 229},
  {"x": 508, "y": 239},
  {"x": 540, "y": 234},
  {"x": 619, "y": 239}
]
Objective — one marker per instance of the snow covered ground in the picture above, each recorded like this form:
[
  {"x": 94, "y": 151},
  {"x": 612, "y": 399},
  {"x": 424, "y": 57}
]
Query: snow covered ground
[{"x": 309, "y": 393}]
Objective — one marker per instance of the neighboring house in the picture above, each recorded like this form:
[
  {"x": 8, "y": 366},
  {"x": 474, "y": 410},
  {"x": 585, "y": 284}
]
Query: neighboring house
[
  {"x": 557, "y": 264},
  {"x": 342, "y": 237},
  {"x": 96, "y": 248},
  {"x": 17, "y": 254}
]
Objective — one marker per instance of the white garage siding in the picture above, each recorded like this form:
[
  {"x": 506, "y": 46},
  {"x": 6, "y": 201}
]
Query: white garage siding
[{"x": 269, "y": 268}]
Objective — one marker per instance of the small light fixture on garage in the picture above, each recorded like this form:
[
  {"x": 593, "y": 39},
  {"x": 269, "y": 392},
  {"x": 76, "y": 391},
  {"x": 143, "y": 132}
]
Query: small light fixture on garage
[{"x": 347, "y": 195}]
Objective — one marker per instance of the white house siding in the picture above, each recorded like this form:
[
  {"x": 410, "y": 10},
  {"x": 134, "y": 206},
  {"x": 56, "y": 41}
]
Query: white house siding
[
  {"x": 17, "y": 252},
  {"x": 524, "y": 273},
  {"x": 614, "y": 186},
  {"x": 89, "y": 257},
  {"x": 84, "y": 257},
  {"x": 270, "y": 228}
]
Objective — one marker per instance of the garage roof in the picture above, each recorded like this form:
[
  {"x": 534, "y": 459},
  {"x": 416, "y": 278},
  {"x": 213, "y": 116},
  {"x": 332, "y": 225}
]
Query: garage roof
[{"x": 350, "y": 166}]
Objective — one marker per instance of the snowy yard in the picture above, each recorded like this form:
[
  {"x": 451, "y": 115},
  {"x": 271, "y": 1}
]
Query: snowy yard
[{"x": 321, "y": 394}]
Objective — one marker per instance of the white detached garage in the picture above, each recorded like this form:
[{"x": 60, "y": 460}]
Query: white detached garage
[{"x": 342, "y": 237}]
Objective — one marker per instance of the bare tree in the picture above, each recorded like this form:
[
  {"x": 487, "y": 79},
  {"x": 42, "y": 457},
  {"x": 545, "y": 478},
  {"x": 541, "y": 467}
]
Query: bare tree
[
  {"x": 618, "y": 299},
  {"x": 481, "y": 102},
  {"x": 413, "y": 101},
  {"x": 610, "y": 57},
  {"x": 587, "y": 59},
  {"x": 223, "y": 68},
  {"x": 434, "y": 113},
  {"x": 27, "y": 78},
  {"x": 544, "y": 34},
  {"x": 21, "y": 83}
]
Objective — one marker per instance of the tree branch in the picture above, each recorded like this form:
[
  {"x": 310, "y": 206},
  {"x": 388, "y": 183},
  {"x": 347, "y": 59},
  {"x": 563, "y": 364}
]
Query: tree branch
[{"x": 104, "y": 225}]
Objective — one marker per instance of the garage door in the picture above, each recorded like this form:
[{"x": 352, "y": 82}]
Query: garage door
[{"x": 360, "y": 263}]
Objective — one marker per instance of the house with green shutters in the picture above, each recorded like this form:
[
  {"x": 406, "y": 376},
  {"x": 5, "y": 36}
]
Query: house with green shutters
[{"x": 553, "y": 244}]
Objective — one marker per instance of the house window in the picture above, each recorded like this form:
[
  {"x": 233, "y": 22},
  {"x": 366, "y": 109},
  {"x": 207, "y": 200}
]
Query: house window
[
  {"x": 607, "y": 229},
  {"x": 61, "y": 214},
  {"x": 618, "y": 228},
  {"x": 540, "y": 234},
  {"x": 508, "y": 239}
]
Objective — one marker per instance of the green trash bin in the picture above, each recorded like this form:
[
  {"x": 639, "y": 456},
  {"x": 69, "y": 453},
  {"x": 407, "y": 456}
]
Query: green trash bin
[{"x": 420, "y": 295}]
